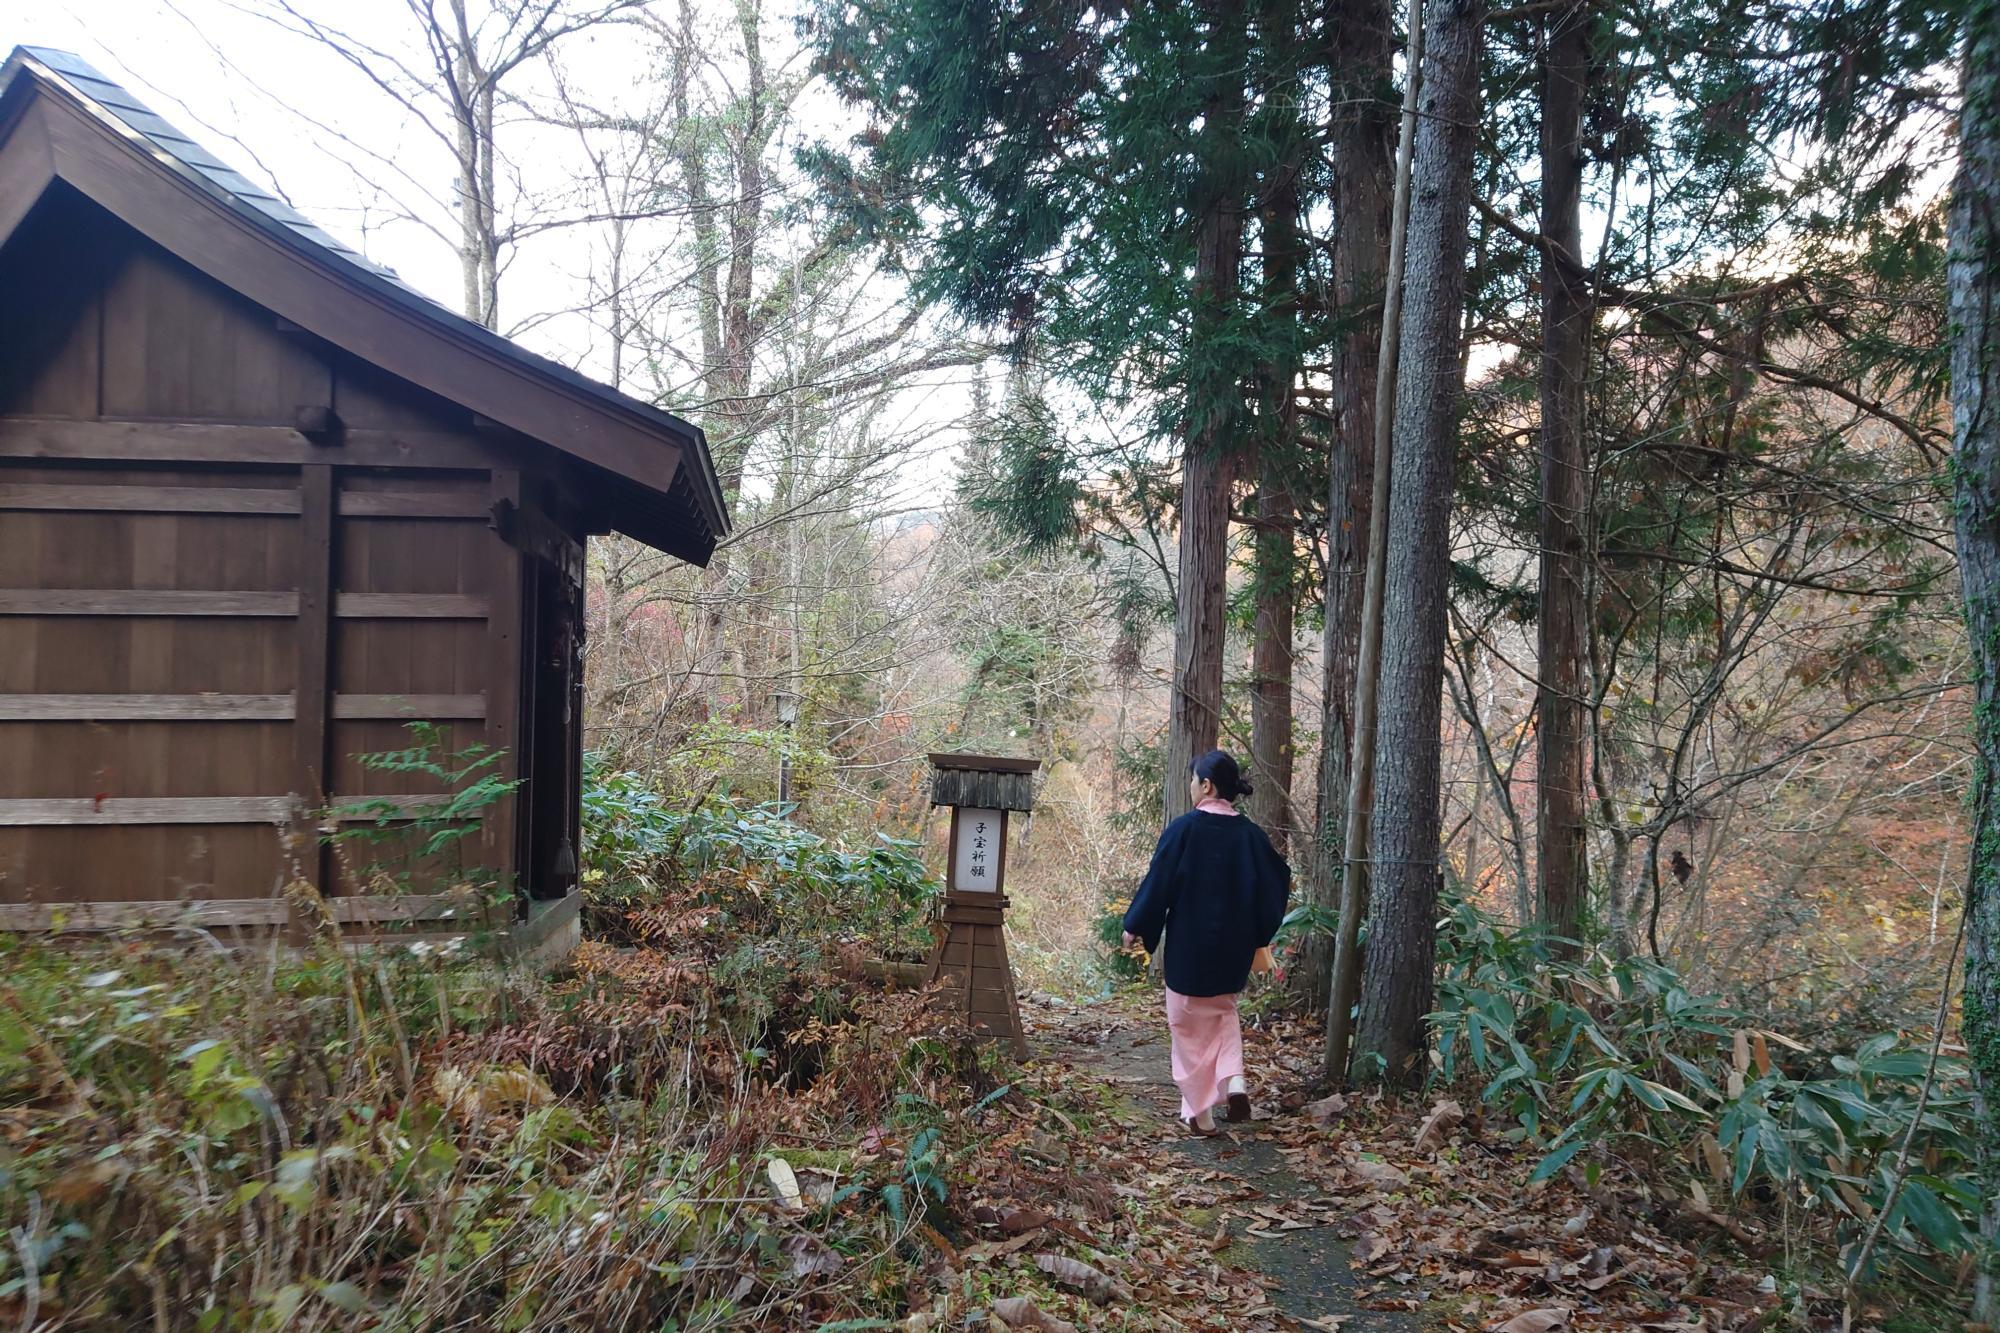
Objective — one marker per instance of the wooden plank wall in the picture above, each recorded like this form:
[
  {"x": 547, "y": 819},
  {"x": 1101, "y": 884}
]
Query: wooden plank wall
[
  {"x": 435, "y": 645},
  {"x": 184, "y": 643}
]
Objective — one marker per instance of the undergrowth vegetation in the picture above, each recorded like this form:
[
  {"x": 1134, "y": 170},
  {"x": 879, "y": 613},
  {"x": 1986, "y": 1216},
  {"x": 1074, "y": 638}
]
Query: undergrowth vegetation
[
  {"x": 715, "y": 1114},
  {"x": 751, "y": 864},
  {"x": 1613, "y": 1064},
  {"x": 723, "y": 1126}
]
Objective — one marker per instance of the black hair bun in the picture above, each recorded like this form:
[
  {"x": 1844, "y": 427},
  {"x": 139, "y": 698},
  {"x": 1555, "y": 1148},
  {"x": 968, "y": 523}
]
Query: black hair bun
[{"x": 1220, "y": 767}]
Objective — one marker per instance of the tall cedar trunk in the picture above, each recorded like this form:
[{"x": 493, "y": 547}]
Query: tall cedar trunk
[
  {"x": 1361, "y": 42},
  {"x": 1272, "y": 659},
  {"x": 1344, "y": 990},
  {"x": 1194, "y": 718},
  {"x": 1396, "y": 992},
  {"x": 1271, "y": 655},
  {"x": 1562, "y": 875},
  {"x": 1973, "y": 290}
]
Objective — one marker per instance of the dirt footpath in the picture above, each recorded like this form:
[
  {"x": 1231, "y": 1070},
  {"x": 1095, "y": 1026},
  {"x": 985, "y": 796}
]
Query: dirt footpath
[{"x": 1241, "y": 1185}]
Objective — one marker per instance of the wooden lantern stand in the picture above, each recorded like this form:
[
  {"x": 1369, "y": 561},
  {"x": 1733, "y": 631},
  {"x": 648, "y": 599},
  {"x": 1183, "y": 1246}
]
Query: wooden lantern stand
[{"x": 971, "y": 955}]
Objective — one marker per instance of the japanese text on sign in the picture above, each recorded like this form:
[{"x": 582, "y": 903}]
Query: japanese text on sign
[{"x": 976, "y": 863}]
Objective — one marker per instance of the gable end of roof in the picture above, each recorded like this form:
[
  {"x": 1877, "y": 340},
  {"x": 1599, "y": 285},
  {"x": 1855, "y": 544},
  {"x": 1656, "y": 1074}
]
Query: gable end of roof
[{"x": 686, "y": 505}]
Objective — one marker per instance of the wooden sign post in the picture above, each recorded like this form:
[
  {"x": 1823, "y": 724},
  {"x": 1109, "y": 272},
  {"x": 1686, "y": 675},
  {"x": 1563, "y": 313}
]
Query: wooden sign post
[{"x": 971, "y": 956}]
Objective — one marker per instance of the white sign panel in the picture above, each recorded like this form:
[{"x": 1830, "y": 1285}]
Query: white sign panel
[{"x": 977, "y": 858}]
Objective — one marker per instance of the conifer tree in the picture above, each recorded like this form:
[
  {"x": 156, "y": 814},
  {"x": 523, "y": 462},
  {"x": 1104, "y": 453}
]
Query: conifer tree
[
  {"x": 1359, "y": 38},
  {"x": 1086, "y": 174},
  {"x": 1390, "y": 1038},
  {"x": 1562, "y": 869},
  {"x": 1973, "y": 287}
]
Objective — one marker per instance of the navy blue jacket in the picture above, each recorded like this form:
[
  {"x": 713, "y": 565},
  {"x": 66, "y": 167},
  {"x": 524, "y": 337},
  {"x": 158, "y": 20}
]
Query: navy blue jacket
[{"x": 1218, "y": 889}]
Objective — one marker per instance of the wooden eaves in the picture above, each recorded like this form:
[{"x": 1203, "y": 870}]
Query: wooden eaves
[{"x": 642, "y": 471}]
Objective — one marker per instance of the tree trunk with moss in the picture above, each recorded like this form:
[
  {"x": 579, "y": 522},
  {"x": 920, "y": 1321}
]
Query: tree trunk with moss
[
  {"x": 1973, "y": 283},
  {"x": 1562, "y": 871},
  {"x": 1275, "y": 576},
  {"x": 1361, "y": 136},
  {"x": 1391, "y": 1039}
]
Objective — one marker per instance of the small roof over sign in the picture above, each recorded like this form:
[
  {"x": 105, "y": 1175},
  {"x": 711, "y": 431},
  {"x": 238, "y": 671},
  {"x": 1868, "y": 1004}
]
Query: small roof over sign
[
  {"x": 984, "y": 763},
  {"x": 983, "y": 781}
]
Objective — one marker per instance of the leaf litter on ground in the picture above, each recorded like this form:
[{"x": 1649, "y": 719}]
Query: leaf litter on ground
[{"x": 1434, "y": 1201}]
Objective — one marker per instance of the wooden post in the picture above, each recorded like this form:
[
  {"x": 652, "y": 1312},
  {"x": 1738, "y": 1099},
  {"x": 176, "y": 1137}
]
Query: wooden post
[
  {"x": 971, "y": 956},
  {"x": 312, "y": 699},
  {"x": 507, "y": 638},
  {"x": 315, "y": 632}
]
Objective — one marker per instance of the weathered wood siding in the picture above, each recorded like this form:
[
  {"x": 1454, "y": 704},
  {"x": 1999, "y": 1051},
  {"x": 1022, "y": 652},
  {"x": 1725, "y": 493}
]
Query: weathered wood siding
[{"x": 196, "y": 602}]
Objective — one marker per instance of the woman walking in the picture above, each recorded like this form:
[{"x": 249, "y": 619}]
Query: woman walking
[{"x": 1217, "y": 888}]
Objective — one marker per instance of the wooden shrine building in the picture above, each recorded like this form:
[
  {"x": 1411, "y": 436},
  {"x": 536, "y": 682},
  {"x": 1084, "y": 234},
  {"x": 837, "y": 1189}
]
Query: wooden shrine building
[{"x": 261, "y": 505}]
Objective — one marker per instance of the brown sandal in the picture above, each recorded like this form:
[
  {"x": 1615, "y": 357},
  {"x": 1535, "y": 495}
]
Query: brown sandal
[
  {"x": 1239, "y": 1108},
  {"x": 1198, "y": 1131}
]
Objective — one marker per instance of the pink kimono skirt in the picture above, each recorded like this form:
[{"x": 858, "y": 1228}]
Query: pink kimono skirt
[{"x": 1207, "y": 1046}]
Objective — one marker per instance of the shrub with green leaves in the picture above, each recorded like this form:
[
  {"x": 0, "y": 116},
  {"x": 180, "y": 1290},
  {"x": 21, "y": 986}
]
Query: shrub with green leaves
[
  {"x": 753, "y": 863},
  {"x": 1595, "y": 1057},
  {"x": 396, "y": 847}
]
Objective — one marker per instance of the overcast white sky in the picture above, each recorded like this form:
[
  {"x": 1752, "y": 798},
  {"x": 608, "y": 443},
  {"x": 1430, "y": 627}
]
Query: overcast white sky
[{"x": 251, "y": 92}]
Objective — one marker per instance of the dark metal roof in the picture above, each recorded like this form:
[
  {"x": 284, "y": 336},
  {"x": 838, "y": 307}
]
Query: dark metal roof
[{"x": 176, "y": 150}]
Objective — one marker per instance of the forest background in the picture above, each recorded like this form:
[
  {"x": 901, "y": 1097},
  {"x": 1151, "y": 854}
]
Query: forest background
[
  {"x": 1038, "y": 349},
  {"x": 963, "y": 532}
]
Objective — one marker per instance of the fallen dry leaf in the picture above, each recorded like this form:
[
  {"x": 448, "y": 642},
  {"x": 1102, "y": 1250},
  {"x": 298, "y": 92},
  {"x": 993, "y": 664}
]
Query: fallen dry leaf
[
  {"x": 1020, "y": 1312},
  {"x": 1022, "y": 1220},
  {"x": 1536, "y": 1321},
  {"x": 993, "y": 1249},
  {"x": 1444, "y": 1117},
  {"x": 1094, "y": 1284},
  {"x": 1368, "y": 1249},
  {"x": 1379, "y": 1174},
  {"x": 785, "y": 1184},
  {"x": 81, "y": 1185},
  {"x": 1711, "y": 1154},
  {"x": 1326, "y": 1108},
  {"x": 810, "y": 1255}
]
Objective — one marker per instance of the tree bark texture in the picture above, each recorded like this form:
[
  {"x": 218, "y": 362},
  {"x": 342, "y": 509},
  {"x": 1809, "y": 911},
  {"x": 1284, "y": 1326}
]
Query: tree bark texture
[
  {"x": 1562, "y": 871},
  {"x": 478, "y": 225},
  {"x": 728, "y": 232},
  {"x": 1973, "y": 294},
  {"x": 1344, "y": 992},
  {"x": 1361, "y": 39},
  {"x": 1194, "y": 718},
  {"x": 1271, "y": 658},
  {"x": 1276, "y": 555},
  {"x": 1396, "y": 992}
]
